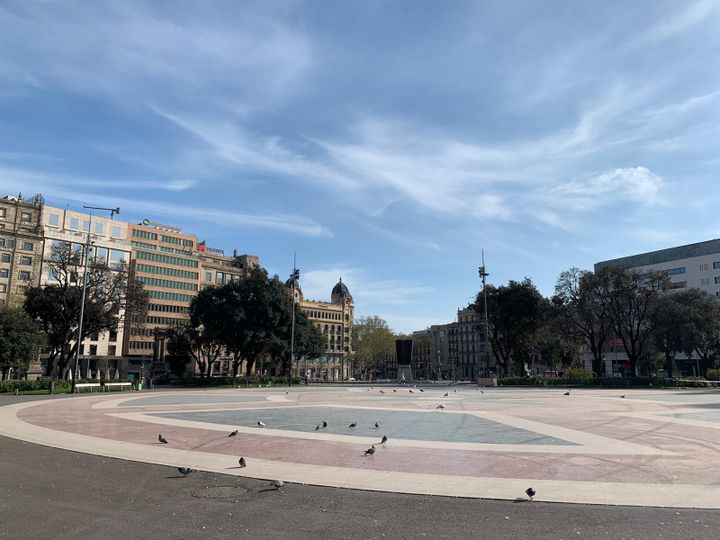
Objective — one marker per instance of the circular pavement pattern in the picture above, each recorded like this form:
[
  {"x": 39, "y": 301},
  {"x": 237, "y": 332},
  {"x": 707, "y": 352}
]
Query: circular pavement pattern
[{"x": 649, "y": 448}]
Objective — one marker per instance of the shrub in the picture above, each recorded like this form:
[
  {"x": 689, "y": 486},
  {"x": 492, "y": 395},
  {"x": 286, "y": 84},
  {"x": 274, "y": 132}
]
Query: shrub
[
  {"x": 713, "y": 374},
  {"x": 577, "y": 373}
]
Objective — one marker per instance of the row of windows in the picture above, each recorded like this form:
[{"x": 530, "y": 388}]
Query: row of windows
[
  {"x": 23, "y": 275},
  {"x": 155, "y": 282},
  {"x": 324, "y": 315},
  {"x": 164, "y": 295},
  {"x": 10, "y": 243},
  {"x": 141, "y": 344},
  {"x": 99, "y": 228},
  {"x": 25, "y": 217},
  {"x": 170, "y": 321},
  {"x": 144, "y": 234},
  {"x": 167, "y": 271},
  {"x": 678, "y": 285},
  {"x": 166, "y": 259},
  {"x": 716, "y": 265},
  {"x": 142, "y": 245},
  {"x": 675, "y": 271},
  {"x": 174, "y": 240},
  {"x": 168, "y": 309}
]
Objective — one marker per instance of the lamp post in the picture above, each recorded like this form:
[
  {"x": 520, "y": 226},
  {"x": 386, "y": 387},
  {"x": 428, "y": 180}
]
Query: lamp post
[
  {"x": 483, "y": 275},
  {"x": 294, "y": 277},
  {"x": 112, "y": 211}
]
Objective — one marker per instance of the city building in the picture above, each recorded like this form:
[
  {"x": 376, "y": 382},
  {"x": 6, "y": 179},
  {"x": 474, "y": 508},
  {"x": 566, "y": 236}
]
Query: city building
[
  {"x": 218, "y": 268},
  {"x": 690, "y": 266},
  {"x": 109, "y": 245},
  {"x": 167, "y": 264},
  {"x": 21, "y": 246},
  {"x": 334, "y": 319}
]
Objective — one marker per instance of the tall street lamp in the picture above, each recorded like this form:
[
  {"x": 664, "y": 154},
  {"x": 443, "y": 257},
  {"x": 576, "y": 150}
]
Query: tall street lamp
[
  {"x": 88, "y": 243},
  {"x": 483, "y": 275}
]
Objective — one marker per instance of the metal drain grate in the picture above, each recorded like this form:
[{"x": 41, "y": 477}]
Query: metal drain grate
[{"x": 220, "y": 492}]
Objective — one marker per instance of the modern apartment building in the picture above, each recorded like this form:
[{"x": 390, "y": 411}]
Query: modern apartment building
[
  {"x": 690, "y": 266},
  {"x": 109, "y": 245},
  {"x": 334, "y": 319},
  {"x": 21, "y": 247}
]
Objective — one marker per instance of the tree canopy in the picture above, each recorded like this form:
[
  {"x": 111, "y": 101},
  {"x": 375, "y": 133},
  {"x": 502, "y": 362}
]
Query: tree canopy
[
  {"x": 20, "y": 341},
  {"x": 373, "y": 341}
]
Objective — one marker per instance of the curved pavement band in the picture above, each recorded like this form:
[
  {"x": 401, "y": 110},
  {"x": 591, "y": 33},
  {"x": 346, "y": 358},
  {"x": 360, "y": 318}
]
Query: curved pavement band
[{"x": 590, "y": 447}]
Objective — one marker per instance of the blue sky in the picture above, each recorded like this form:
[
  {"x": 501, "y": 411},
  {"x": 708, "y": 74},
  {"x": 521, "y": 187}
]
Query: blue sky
[{"x": 384, "y": 141}]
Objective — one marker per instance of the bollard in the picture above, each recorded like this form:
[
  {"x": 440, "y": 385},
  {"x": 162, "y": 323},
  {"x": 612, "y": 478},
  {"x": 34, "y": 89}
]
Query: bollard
[{"x": 51, "y": 389}]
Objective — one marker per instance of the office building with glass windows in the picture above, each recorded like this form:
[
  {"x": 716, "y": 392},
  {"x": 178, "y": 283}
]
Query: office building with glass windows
[{"x": 691, "y": 266}]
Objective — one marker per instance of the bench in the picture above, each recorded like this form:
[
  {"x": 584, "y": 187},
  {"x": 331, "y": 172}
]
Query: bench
[
  {"x": 90, "y": 385},
  {"x": 119, "y": 385}
]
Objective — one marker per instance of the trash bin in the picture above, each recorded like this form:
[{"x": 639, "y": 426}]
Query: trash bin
[{"x": 139, "y": 386}]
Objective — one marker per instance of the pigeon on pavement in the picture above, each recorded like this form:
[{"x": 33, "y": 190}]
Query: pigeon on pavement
[
  {"x": 530, "y": 493},
  {"x": 233, "y": 433},
  {"x": 377, "y": 425},
  {"x": 354, "y": 424},
  {"x": 317, "y": 427},
  {"x": 441, "y": 406},
  {"x": 261, "y": 424},
  {"x": 370, "y": 451},
  {"x": 567, "y": 393},
  {"x": 394, "y": 389},
  {"x": 324, "y": 424},
  {"x": 421, "y": 390},
  {"x": 162, "y": 439},
  {"x": 622, "y": 396},
  {"x": 383, "y": 440},
  {"x": 242, "y": 462},
  {"x": 446, "y": 394},
  {"x": 410, "y": 390},
  {"x": 185, "y": 470}
]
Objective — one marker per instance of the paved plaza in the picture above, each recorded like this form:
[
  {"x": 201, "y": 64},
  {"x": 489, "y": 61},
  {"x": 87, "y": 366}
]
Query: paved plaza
[{"x": 648, "y": 448}]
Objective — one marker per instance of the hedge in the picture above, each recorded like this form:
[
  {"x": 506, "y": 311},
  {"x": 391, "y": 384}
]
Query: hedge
[
  {"x": 603, "y": 382},
  {"x": 61, "y": 386},
  {"x": 198, "y": 382}
]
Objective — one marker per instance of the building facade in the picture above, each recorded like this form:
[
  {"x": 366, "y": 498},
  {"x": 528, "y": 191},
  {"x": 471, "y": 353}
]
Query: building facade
[
  {"x": 334, "y": 319},
  {"x": 21, "y": 247}
]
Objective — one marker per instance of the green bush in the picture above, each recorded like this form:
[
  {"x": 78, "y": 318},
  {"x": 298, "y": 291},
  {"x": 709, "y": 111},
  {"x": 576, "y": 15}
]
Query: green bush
[
  {"x": 33, "y": 386},
  {"x": 713, "y": 374},
  {"x": 198, "y": 382},
  {"x": 577, "y": 373}
]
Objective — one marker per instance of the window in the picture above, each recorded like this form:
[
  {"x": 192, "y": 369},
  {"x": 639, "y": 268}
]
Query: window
[
  {"x": 5, "y": 257},
  {"x": 86, "y": 225},
  {"x": 74, "y": 223},
  {"x": 53, "y": 275},
  {"x": 176, "y": 241},
  {"x": 54, "y": 220},
  {"x": 3, "y": 212},
  {"x": 166, "y": 259},
  {"x": 116, "y": 255},
  {"x": 26, "y": 217},
  {"x": 678, "y": 285},
  {"x": 101, "y": 255},
  {"x": 26, "y": 261},
  {"x": 8, "y": 242},
  {"x": 704, "y": 281},
  {"x": 24, "y": 275},
  {"x": 3, "y": 287},
  {"x": 93, "y": 350},
  {"x": 112, "y": 337},
  {"x": 28, "y": 246},
  {"x": 675, "y": 271},
  {"x": 115, "y": 232},
  {"x": 717, "y": 279},
  {"x": 99, "y": 228},
  {"x": 208, "y": 276},
  {"x": 143, "y": 234},
  {"x": 4, "y": 272},
  {"x": 219, "y": 277},
  {"x": 112, "y": 350},
  {"x": 716, "y": 265}
]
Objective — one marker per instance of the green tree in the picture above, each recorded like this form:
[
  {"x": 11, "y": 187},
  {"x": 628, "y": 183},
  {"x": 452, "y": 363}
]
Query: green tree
[
  {"x": 514, "y": 316},
  {"x": 110, "y": 298},
  {"x": 553, "y": 343},
  {"x": 186, "y": 343},
  {"x": 20, "y": 341},
  {"x": 630, "y": 301},
  {"x": 583, "y": 314},
  {"x": 373, "y": 341}
]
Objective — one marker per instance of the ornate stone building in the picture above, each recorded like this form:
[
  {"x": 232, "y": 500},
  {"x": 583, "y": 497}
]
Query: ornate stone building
[{"x": 334, "y": 319}]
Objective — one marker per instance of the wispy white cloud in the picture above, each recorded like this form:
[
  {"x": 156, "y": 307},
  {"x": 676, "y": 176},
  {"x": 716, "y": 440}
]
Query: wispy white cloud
[{"x": 683, "y": 20}]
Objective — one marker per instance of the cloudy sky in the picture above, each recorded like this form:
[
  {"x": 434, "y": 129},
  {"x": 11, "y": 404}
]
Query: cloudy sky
[{"x": 387, "y": 142}]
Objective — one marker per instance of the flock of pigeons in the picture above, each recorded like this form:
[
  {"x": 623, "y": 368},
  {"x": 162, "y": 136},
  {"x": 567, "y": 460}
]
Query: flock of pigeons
[{"x": 277, "y": 484}]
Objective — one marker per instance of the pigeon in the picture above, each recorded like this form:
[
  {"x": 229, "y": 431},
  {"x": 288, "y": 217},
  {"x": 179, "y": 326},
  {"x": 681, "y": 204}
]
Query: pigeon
[
  {"x": 394, "y": 389},
  {"x": 622, "y": 396},
  {"x": 261, "y": 424},
  {"x": 384, "y": 439},
  {"x": 242, "y": 462},
  {"x": 162, "y": 439},
  {"x": 324, "y": 424},
  {"x": 233, "y": 433},
  {"x": 441, "y": 406},
  {"x": 286, "y": 393},
  {"x": 422, "y": 390},
  {"x": 370, "y": 451},
  {"x": 277, "y": 484},
  {"x": 482, "y": 391},
  {"x": 454, "y": 390},
  {"x": 382, "y": 392},
  {"x": 354, "y": 424},
  {"x": 317, "y": 427},
  {"x": 530, "y": 493},
  {"x": 446, "y": 394},
  {"x": 567, "y": 393},
  {"x": 410, "y": 390},
  {"x": 185, "y": 470}
]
